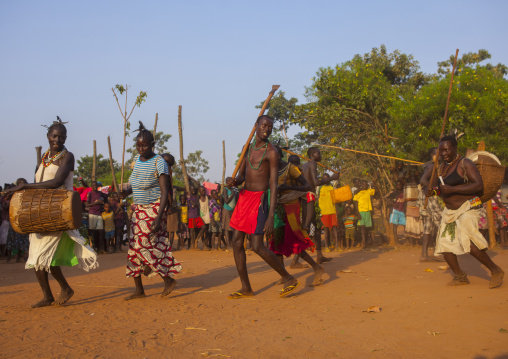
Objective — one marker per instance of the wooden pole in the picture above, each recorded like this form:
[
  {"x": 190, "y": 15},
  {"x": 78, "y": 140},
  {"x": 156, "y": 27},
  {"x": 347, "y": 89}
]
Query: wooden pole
[
  {"x": 307, "y": 159},
  {"x": 372, "y": 154},
  {"x": 244, "y": 149},
  {"x": 155, "y": 126},
  {"x": 38, "y": 151},
  {"x": 436, "y": 158},
  {"x": 94, "y": 163},
  {"x": 182, "y": 161},
  {"x": 112, "y": 168},
  {"x": 223, "y": 165}
]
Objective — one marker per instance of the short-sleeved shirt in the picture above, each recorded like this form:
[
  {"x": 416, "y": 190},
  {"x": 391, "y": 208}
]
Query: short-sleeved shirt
[
  {"x": 400, "y": 203},
  {"x": 325, "y": 200},
  {"x": 193, "y": 209},
  {"x": 109, "y": 221},
  {"x": 119, "y": 217},
  {"x": 349, "y": 221},
  {"x": 145, "y": 179},
  {"x": 96, "y": 196},
  {"x": 363, "y": 199}
]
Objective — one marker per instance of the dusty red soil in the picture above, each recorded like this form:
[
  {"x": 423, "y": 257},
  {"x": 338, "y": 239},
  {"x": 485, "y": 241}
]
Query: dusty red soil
[{"x": 420, "y": 317}]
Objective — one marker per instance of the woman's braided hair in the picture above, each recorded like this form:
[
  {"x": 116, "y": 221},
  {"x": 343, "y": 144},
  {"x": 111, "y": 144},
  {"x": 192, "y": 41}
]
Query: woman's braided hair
[
  {"x": 55, "y": 124},
  {"x": 144, "y": 134}
]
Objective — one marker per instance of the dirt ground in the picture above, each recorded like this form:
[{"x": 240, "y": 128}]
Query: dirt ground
[{"x": 420, "y": 316}]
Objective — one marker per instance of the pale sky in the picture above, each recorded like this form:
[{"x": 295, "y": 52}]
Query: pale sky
[{"x": 217, "y": 59}]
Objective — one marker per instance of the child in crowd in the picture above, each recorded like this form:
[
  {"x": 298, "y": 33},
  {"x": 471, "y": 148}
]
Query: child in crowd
[
  {"x": 364, "y": 205},
  {"x": 215, "y": 221},
  {"x": 119, "y": 214},
  {"x": 378, "y": 227},
  {"x": 349, "y": 225},
  {"x": 328, "y": 215},
  {"x": 398, "y": 217},
  {"x": 109, "y": 227},
  {"x": 183, "y": 230}
]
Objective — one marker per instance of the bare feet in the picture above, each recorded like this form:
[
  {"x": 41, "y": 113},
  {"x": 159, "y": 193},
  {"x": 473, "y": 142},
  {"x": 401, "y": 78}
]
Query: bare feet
[
  {"x": 135, "y": 295},
  {"x": 298, "y": 265},
  {"x": 497, "y": 279},
  {"x": 317, "y": 277},
  {"x": 44, "y": 302},
  {"x": 64, "y": 296},
  {"x": 169, "y": 285}
]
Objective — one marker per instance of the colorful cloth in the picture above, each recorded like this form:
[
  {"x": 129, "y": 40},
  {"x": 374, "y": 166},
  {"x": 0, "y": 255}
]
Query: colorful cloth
[
  {"x": 329, "y": 220},
  {"x": 145, "y": 179},
  {"x": 501, "y": 217},
  {"x": 325, "y": 200},
  {"x": 414, "y": 226},
  {"x": 400, "y": 202},
  {"x": 349, "y": 221},
  {"x": 149, "y": 249},
  {"x": 291, "y": 238},
  {"x": 311, "y": 197},
  {"x": 215, "y": 209},
  {"x": 192, "y": 206},
  {"x": 209, "y": 187},
  {"x": 459, "y": 228},
  {"x": 183, "y": 214},
  {"x": 363, "y": 199},
  {"x": 251, "y": 212}
]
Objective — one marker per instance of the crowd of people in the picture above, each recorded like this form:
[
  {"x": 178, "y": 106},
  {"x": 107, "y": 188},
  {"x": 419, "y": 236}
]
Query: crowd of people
[{"x": 278, "y": 201}]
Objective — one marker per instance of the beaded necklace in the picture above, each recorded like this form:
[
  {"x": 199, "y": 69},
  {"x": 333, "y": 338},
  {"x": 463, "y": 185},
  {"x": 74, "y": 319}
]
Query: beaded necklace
[
  {"x": 450, "y": 165},
  {"x": 256, "y": 149},
  {"x": 46, "y": 161}
]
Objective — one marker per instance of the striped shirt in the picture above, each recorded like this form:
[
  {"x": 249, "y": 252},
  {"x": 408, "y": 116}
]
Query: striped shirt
[{"x": 145, "y": 179}]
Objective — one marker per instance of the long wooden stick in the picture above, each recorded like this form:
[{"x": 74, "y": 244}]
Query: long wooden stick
[
  {"x": 223, "y": 165},
  {"x": 38, "y": 151},
  {"x": 307, "y": 159},
  {"x": 115, "y": 184},
  {"x": 436, "y": 158},
  {"x": 155, "y": 126},
  {"x": 244, "y": 150},
  {"x": 368, "y": 153},
  {"x": 94, "y": 160},
  {"x": 182, "y": 161}
]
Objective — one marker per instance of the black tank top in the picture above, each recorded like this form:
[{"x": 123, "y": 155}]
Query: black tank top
[{"x": 454, "y": 179}]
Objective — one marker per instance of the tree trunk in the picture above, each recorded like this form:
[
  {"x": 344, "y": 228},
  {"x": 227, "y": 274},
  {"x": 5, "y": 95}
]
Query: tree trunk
[
  {"x": 94, "y": 164},
  {"x": 115, "y": 184},
  {"x": 223, "y": 165},
  {"x": 123, "y": 152},
  {"x": 155, "y": 126},
  {"x": 182, "y": 161}
]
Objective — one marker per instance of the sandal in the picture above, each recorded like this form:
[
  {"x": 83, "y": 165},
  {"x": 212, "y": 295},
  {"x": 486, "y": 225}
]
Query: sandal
[
  {"x": 288, "y": 290},
  {"x": 238, "y": 295}
]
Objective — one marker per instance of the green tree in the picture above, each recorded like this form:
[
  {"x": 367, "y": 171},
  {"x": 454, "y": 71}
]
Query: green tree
[
  {"x": 103, "y": 168},
  {"x": 478, "y": 109},
  {"x": 196, "y": 167}
]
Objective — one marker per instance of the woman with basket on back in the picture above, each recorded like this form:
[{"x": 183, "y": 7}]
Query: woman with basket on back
[{"x": 460, "y": 185}]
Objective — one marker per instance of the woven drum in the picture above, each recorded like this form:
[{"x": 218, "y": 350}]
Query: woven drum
[
  {"x": 491, "y": 171},
  {"x": 341, "y": 194},
  {"x": 45, "y": 210}
]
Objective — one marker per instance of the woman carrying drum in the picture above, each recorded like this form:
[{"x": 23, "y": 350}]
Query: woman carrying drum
[
  {"x": 460, "y": 186},
  {"x": 50, "y": 250},
  {"x": 149, "y": 247}
]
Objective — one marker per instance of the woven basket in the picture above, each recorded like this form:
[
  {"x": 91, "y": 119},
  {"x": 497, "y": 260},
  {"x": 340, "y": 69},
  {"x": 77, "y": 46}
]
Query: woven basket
[{"x": 492, "y": 176}]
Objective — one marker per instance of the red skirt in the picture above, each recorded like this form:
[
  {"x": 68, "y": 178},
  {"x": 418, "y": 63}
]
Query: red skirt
[
  {"x": 245, "y": 215},
  {"x": 196, "y": 222}
]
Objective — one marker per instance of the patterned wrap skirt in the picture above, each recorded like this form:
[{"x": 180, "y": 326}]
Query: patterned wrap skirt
[{"x": 149, "y": 249}]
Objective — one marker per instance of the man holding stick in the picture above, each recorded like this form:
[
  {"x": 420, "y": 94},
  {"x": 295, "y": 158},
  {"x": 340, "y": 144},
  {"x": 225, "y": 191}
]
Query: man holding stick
[{"x": 253, "y": 214}]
